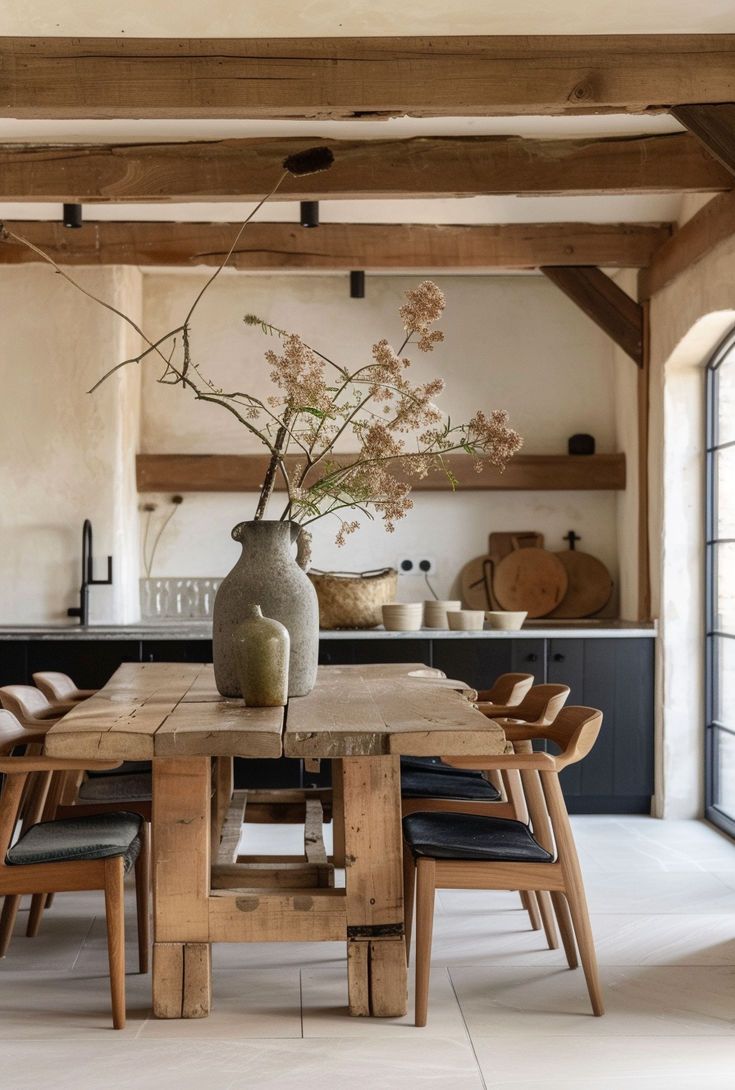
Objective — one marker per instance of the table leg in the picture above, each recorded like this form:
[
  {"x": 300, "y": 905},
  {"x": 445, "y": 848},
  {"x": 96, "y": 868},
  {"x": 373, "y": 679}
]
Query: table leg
[
  {"x": 181, "y": 864},
  {"x": 377, "y": 974},
  {"x": 338, "y": 815}
]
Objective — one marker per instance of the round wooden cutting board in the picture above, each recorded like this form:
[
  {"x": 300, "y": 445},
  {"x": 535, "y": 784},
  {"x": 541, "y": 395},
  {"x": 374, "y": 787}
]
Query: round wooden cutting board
[
  {"x": 476, "y": 580},
  {"x": 590, "y": 585},
  {"x": 531, "y": 579}
]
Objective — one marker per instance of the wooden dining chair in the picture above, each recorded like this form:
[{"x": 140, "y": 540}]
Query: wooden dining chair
[
  {"x": 59, "y": 688},
  {"x": 84, "y": 853},
  {"x": 507, "y": 689},
  {"x": 30, "y": 707},
  {"x": 427, "y": 786},
  {"x": 467, "y": 851}
]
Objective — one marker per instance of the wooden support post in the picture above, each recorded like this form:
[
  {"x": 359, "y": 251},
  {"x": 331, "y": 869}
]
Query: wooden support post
[
  {"x": 611, "y": 308},
  {"x": 181, "y": 843},
  {"x": 644, "y": 557},
  {"x": 223, "y": 786},
  {"x": 713, "y": 124},
  {"x": 338, "y": 815},
  {"x": 374, "y": 885}
]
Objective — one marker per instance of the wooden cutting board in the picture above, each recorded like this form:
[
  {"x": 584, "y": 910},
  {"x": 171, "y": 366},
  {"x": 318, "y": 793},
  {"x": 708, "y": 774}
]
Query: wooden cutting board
[
  {"x": 500, "y": 544},
  {"x": 476, "y": 583},
  {"x": 531, "y": 579},
  {"x": 589, "y": 583}
]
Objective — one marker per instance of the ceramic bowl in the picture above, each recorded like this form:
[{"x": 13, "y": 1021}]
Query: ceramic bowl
[
  {"x": 403, "y": 616},
  {"x": 435, "y": 613},
  {"x": 466, "y": 620},
  {"x": 509, "y": 621}
]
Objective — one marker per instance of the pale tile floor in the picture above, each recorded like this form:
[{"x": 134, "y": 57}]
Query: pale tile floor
[{"x": 505, "y": 1014}]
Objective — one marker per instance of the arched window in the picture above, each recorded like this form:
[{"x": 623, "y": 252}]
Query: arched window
[{"x": 720, "y": 588}]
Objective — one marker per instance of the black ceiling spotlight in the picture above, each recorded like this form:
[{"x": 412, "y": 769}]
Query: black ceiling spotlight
[
  {"x": 72, "y": 215},
  {"x": 357, "y": 284},
  {"x": 309, "y": 214}
]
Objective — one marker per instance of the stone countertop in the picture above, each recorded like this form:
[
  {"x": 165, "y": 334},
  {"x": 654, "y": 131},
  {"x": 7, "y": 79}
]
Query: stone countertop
[{"x": 202, "y": 630}]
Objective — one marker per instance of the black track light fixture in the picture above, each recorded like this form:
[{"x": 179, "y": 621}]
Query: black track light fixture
[
  {"x": 309, "y": 214},
  {"x": 357, "y": 284},
  {"x": 72, "y": 215}
]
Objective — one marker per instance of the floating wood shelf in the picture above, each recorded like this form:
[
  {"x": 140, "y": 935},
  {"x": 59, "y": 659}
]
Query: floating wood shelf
[{"x": 525, "y": 473}]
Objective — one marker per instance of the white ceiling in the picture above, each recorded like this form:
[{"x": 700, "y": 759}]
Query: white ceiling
[{"x": 338, "y": 18}]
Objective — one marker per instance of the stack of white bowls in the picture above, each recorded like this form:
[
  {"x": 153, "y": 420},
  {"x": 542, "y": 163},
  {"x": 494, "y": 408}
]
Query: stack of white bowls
[
  {"x": 403, "y": 616},
  {"x": 435, "y": 613}
]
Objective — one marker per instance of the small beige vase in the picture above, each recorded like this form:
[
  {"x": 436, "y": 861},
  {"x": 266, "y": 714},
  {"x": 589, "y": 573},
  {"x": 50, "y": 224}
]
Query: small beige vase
[{"x": 261, "y": 647}]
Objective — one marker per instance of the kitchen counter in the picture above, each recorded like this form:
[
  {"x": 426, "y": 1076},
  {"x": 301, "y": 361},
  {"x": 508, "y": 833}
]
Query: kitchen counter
[{"x": 202, "y": 630}]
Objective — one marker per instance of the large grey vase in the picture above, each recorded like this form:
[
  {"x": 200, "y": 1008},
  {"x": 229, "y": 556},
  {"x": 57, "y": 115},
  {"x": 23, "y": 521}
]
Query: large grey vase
[{"x": 267, "y": 575}]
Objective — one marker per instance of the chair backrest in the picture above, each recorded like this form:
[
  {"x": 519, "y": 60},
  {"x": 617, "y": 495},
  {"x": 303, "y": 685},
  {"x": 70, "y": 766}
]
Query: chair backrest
[
  {"x": 13, "y": 733},
  {"x": 508, "y": 689},
  {"x": 27, "y": 704},
  {"x": 55, "y": 686},
  {"x": 540, "y": 705},
  {"x": 575, "y": 731}
]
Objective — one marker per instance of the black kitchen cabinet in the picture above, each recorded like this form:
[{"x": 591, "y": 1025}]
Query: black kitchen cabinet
[
  {"x": 613, "y": 674},
  {"x": 617, "y": 676}
]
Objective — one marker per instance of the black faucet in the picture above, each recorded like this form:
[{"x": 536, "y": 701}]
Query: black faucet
[{"x": 82, "y": 610}]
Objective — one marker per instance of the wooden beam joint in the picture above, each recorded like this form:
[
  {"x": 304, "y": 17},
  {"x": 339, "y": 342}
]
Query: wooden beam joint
[{"x": 605, "y": 303}]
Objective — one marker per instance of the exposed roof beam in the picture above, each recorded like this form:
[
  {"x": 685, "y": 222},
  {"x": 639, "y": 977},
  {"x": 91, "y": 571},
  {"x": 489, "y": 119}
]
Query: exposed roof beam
[
  {"x": 361, "y": 77},
  {"x": 711, "y": 225},
  {"x": 605, "y": 303},
  {"x": 463, "y": 166},
  {"x": 714, "y": 126},
  {"x": 340, "y": 245}
]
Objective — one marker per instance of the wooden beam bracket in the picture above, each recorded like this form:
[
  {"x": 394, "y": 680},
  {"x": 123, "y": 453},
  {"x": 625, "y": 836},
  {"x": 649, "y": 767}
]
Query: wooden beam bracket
[{"x": 602, "y": 300}]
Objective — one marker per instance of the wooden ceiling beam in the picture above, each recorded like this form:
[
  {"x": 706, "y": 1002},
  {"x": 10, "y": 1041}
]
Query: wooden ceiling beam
[
  {"x": 339, "y": 245},
  {"x": 462, "y": 166},
  {"x": 361, "y": 77},
  {"x": 714, "y": 127},
  {"x": 605, "y": 303},
  {"x": 711, "y": 225}
]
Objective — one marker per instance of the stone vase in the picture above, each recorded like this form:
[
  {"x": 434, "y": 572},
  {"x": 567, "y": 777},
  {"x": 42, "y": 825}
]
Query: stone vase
[
  {"x": 268, "y": 575},
  {"x": 262, "y": 648}
]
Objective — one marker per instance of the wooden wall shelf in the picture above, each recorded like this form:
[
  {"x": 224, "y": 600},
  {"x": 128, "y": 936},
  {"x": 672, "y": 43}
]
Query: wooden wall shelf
[{"x": 525, "y": 473}]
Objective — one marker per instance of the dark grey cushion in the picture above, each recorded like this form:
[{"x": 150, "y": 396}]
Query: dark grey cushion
[
  {"x": 117, "y": 789},
  {"x": 468, "y": 836},
  {"x": 127, "y": 768},
  {"x": 99, "y": 836},
  {"x": 448, "y": 783}
]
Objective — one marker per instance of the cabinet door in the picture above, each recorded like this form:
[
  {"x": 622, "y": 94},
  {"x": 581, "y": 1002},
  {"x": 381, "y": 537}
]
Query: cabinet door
[
  {"x": 14, "y": 662},
  {"x": 372, "y": 650},
  {"x": 91, "y": 663},
  {"x": 615, "y": 675},
  {"x": 480, "y": 661}
]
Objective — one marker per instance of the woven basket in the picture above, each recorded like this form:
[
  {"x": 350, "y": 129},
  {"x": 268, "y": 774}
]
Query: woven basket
[{"x": 353, "y": 599}]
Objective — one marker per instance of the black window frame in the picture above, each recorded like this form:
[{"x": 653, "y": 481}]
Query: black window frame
[{"x": 712, "y": 728}]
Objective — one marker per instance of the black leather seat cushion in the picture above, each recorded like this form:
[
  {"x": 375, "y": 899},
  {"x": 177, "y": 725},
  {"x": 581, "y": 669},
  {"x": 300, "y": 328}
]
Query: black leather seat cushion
[
  {"x": 469, "y": 836},
  {"x": 431, "y": 782},
  {"x": 127, "y": 768},
  {"x": 100, "y": 836}
]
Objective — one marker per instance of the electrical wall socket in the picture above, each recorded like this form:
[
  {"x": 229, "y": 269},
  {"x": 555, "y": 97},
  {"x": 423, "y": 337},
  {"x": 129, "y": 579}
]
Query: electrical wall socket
[{"x": 419, "y": 565}]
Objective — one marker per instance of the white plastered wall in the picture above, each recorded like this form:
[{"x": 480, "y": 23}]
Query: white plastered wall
[
  {"x": 688, "y": 319},
  {"x": 66, "y": 455}
]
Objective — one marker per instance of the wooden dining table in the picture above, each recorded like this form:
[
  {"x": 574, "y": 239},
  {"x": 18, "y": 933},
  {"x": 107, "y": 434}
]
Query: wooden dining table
[{"x": 363, "y": 719}]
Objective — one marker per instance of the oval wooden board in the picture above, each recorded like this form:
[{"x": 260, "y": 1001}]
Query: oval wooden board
[
  {"x": 472, "y": 582},
  {"x": 590, "y": 585},
  {"x": 530, "y": 579}
]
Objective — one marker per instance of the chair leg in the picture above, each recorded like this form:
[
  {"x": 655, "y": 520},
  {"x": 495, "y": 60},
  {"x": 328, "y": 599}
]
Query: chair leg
[
  {"x": 38, "y": 904},
  {"x": 425, "y": 890},
  {"x": 142, "y": 898},
  {"x": 7, "y": 921},
  {"x": 547, "y": 918},
  {"x": 530, "y": 904},
  {"x": 561, "y": 908},
  {"x": 409, "y": 893},
  {"x": 115, "y": 914}
]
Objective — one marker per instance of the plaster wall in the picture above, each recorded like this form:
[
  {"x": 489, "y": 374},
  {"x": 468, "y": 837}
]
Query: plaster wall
[
  {"x": 688, "y": 319},
  {"x": 512, "y": 342},
  {"x": 65, "y": 455}
]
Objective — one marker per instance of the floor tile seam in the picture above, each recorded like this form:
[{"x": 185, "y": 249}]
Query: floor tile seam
[{"x": 467, "y": 1031}]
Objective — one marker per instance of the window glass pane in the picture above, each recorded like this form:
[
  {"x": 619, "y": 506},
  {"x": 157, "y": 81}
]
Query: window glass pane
[
  {"x": 723, "y": 692},
  {"x": 725, "y": 779},
  {"x": 725, "y": 403},
  {"x": 724, "y": 492},
  {"x": 723, "y": 567}
]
